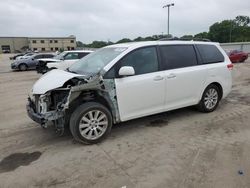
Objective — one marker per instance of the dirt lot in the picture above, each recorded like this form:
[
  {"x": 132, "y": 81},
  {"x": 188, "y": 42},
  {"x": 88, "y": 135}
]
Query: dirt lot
[{"x": 182, "y": 148}]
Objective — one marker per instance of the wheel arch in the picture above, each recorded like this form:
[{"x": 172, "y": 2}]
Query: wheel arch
[
  {"x": 92, "y": 96},
  {"x": 23, "y": 64},
  {"x": 216, "y": 84},
  {"x": 27, "y": 66}
]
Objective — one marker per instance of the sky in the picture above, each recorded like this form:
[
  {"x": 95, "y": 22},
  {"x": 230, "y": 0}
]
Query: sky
[{"x": 113, "y": 20}]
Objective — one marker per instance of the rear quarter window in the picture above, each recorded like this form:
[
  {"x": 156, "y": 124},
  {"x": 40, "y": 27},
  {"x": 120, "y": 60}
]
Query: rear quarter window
[
  {"x": 48, "y": 56},
  {"x": 210, "y": 53}
]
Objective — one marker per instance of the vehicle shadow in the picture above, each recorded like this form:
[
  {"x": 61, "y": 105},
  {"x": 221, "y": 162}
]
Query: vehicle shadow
[
  {"x": 157, "y": 120},
  {"x": 40, "y": 137},
  {"x": 124, "y": 128}
]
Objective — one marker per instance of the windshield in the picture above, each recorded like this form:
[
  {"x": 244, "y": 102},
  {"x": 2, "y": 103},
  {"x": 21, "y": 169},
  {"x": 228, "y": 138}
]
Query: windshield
[
  {"x": 59, "y": 56},
  {"x": 96, "y": 61}
]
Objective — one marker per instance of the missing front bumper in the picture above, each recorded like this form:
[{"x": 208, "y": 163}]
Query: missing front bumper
[{"x": 42, "y": 119}]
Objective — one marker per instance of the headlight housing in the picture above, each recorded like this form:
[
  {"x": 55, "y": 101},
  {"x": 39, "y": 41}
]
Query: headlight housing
[{"x": 43, "y": 103}]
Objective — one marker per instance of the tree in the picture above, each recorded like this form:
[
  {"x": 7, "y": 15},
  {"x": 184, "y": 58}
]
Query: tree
[
  {"x": 236, "y": 30},
  {"x": 203, "y": 35},
  {"x": 79, "y": 44},
  {"x": 139, "y": 39},
  {"x": 124, "y": 40},
  {"x": 242, "y": 21},
  {"x": 97, "y": 44},
  {"x": 187, "y": 37},
  {"x": 220, "y": 32}
]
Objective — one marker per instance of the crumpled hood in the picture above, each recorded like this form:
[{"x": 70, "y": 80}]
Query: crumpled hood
[{"x": 52, "y": 80}]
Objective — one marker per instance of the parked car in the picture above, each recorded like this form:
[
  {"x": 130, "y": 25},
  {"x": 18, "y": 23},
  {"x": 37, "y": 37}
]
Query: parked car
[
  {"x": 127, "y": 81},
  {"x": 29, "y": 62},
  {"x": 17, "y": 55},
  {"x": 6, "y": 51},
  {"x": 61, "y": 61},
  {"x": 237, "y": 56}
]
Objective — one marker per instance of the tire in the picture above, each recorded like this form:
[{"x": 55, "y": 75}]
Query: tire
[
  {"x": 95, "y": 127},
  {"x": 242, "y": 60},
  {"x": 23, "y": 67},
  {"x": 46, "y": 69},
  {"x": 210, "y": 99}
]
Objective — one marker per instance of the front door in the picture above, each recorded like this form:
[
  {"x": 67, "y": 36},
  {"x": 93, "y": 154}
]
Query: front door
[{"x": 144, "y": 93}]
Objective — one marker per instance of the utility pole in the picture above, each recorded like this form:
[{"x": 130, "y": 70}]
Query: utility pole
[
  {"x": 168, "y": 6},
  {"x": 230, "y": 33}
]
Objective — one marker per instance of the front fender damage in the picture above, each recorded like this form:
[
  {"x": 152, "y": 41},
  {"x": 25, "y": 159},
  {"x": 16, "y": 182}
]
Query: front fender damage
[{"x": 104, "y": 88}]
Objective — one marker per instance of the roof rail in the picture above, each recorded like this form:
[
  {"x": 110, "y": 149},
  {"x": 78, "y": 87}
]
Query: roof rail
[
  {"x": 171, "y": 38},
  {"x": 185, "y": 39}
]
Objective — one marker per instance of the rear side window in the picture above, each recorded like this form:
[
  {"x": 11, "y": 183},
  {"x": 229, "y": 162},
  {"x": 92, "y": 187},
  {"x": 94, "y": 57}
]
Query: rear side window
[
  {"x": 38, "y": 56},
  {"x": 178, "y": 56},
  {"x": 81, "y": 55},
  {"x": 48, "y": 55},
  {"x": 210, "y": 53}
]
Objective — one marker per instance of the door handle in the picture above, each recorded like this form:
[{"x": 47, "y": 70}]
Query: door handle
[
  {"x": 170, "y": 76},
  {"x": 158, "y": 78}
]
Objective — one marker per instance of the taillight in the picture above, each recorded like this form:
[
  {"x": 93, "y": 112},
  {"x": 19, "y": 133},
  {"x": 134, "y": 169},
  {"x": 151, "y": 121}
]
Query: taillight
[{"x": 230, "y": 66}]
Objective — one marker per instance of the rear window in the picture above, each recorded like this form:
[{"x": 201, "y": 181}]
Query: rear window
[
  {"x": 178, "y": 56},
  {"x": 210, "y": 54}
]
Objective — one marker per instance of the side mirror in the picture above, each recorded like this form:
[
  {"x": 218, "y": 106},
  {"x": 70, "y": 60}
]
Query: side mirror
[{"x": 126, "y": 71}]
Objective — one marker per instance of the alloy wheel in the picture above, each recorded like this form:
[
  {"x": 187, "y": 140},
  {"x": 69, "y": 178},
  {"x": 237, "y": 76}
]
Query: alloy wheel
[
  {"x": 93, "y": 124},
  {"x": 211, "y": 98}
]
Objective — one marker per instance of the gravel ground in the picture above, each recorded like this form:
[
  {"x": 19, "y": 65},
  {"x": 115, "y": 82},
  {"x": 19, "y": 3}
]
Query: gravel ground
[{"x": 181, "y": 148}]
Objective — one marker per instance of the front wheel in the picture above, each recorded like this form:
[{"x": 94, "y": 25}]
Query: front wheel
[
  {"x": 90, "y": 123},
  {"x": 242, "y": 60},
  {"x": 210, "y": 99},
  {"x": 23, "y": 67}
]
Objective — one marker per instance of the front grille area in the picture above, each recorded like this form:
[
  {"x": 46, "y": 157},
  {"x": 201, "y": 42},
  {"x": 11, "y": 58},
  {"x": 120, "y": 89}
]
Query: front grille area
[
  {"x": 57, "y": 97},
  {"x": 44, "y": 103}
]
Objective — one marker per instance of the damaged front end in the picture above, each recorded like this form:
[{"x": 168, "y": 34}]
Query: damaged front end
[
  {"x": 48, "y": 108},
  {"x": 56, "y": 105}
]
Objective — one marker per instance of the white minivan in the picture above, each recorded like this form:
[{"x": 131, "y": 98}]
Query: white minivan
[{"x": 127, "y": 81}]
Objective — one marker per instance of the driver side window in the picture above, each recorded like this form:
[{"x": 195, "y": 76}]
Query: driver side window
[
  {"x": 143, "y": 60},
  {"x": 38, "y": 57}
]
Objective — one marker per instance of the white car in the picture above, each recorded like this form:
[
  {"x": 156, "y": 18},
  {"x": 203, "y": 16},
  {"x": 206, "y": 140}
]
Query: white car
[
  {"x": 61, "y": 61},
  {"x": 127, "y": 81}
]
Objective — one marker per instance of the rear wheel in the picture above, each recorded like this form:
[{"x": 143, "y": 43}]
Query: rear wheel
[
  {"x": 210, "y": 99},
  {"x": 242, "y": 60},
  {"x": 23, "y": 67},
  {"x": 90, "y": 123}
]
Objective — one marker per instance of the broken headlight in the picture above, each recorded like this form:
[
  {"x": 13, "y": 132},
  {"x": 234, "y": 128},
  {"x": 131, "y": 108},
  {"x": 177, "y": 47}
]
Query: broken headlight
[{"x": 43, "y": 103}]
